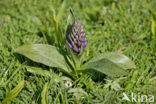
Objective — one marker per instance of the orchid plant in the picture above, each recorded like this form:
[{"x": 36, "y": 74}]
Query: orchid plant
[{"x": 70, "y": 52}]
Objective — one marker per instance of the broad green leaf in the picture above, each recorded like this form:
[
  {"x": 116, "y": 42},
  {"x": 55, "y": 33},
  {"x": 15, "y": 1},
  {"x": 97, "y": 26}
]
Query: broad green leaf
[
  {"x": 38, "y": 71},
  {"x": 44, "y": 93},
  {"x": 14, "y": 92},
  {"x": 42, "y": 72},
  {"x": 45, "y": 54},
  {"x": 105, "y": 66},
  {"x": 116, "y": 58}
]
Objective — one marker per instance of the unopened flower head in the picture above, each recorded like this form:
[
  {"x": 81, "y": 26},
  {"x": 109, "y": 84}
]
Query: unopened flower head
[{"x": 76, "y": 38}]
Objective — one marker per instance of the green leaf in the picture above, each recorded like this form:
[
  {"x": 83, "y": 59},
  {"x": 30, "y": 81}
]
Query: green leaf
[
  {"x": 38, "y": 71},
  {"x": 42, "y": 72},
  {"x": 105, "y": 66},
  {"x": 112, "y": 64},
  {"x": 153, "y": 27},
  {"x": 116, "y": 58},
  {"x": 14, "y": 92},
  {"x": 61, "y": 10},
  {"x": 153, "y": 23},
  {"x": 112, "y": 84},
  {"x": 43, "y": 95},
  {"x": 45, "y": 54},
  {"x": 78, "y": 92}
]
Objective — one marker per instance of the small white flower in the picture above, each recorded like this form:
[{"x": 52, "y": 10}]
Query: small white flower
[{"x": 68, "y": 84}]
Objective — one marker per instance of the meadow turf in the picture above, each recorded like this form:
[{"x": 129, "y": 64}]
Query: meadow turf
[{"x": 110, "y": 26}]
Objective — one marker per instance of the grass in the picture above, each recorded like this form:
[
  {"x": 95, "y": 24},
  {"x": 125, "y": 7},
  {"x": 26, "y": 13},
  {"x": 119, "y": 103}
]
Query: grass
[{"x": 110, "y": 25}]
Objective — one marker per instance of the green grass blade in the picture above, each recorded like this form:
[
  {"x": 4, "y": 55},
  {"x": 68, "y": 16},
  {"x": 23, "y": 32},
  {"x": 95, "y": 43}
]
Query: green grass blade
[
  {"x": 14, "y": 92},
  {"x": 61, "y": 10},
  {"x": 44, "y": 93},
  {"x": 153, "y": 23},
  {"x": 78, "y": 92}
]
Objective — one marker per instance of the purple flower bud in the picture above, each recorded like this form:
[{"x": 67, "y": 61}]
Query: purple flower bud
[{"x": 76, "y": 38}]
